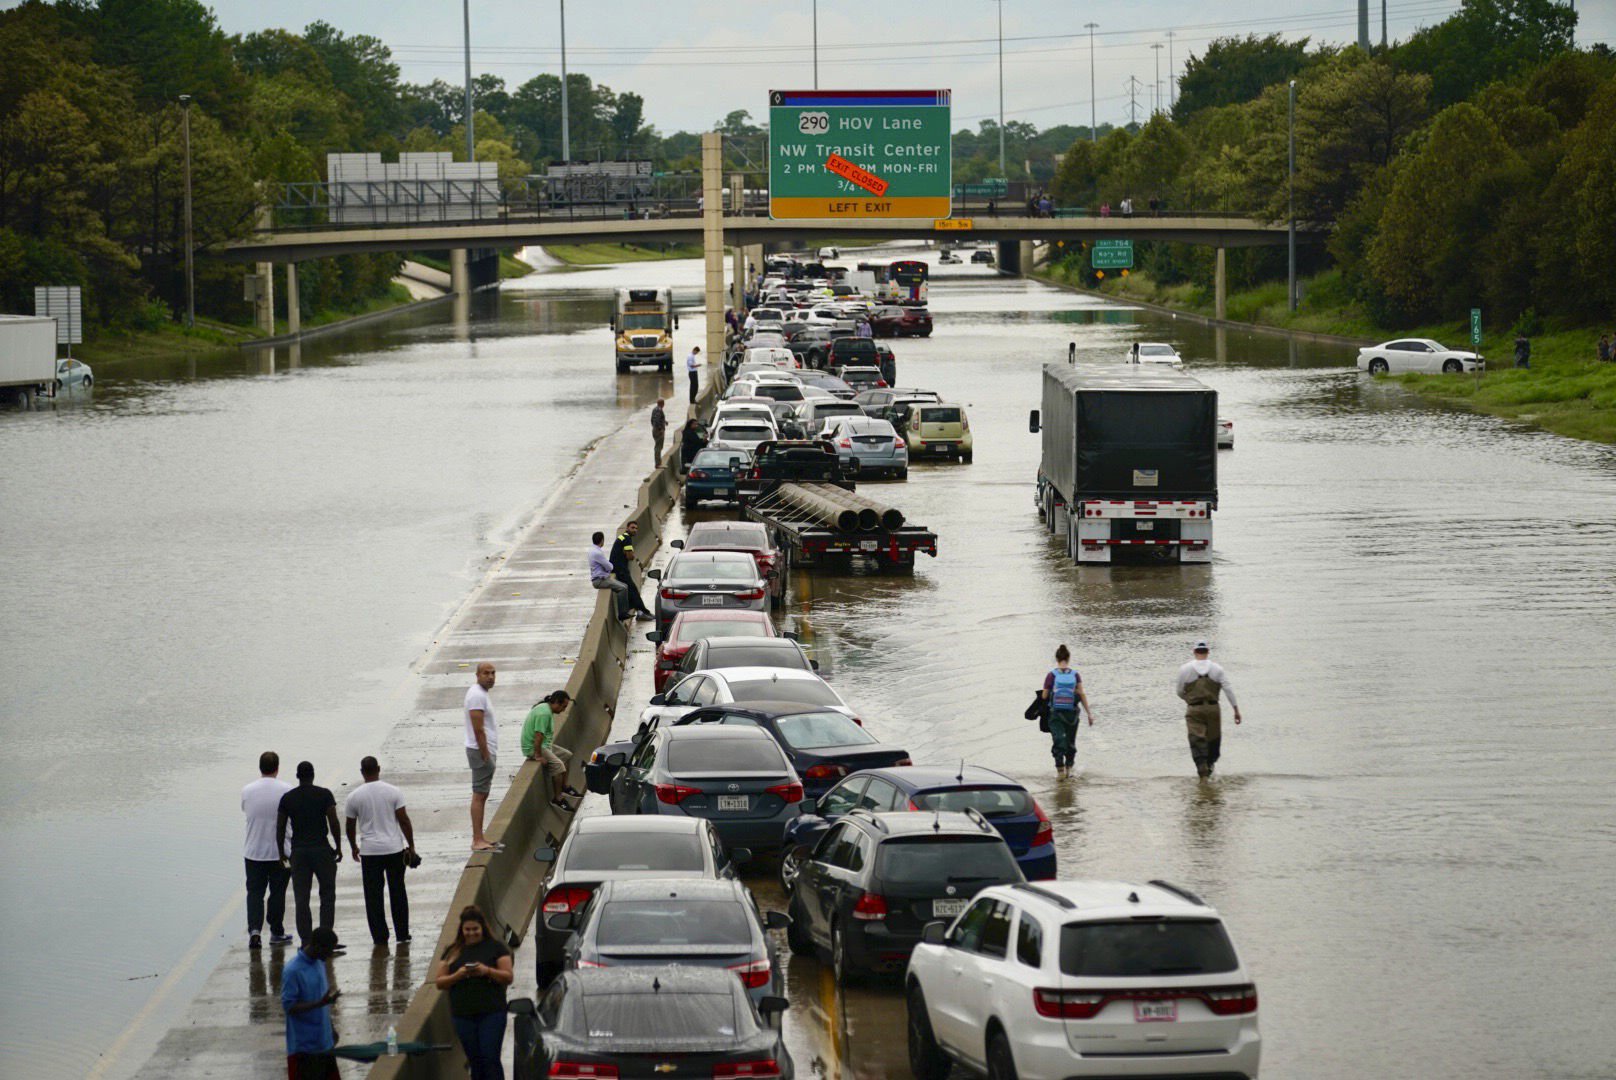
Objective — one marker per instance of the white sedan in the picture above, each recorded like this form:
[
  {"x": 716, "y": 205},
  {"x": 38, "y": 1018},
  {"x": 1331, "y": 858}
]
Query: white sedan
[
  {"x": 723, "y": 686},
  {"x": 1416, "y": 354},
  {"x": 71, "y": 374},
  {"x": 1225, "y": 434},
  {"x": 1155, "y": 352}
]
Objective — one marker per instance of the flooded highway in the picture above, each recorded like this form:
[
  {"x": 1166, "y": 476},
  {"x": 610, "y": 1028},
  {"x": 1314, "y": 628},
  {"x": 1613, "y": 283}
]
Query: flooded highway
[{"x": 1411, "y": 835}]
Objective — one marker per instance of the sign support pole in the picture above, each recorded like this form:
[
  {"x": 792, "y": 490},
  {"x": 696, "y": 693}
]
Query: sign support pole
[{"x": 712, "y": 234}]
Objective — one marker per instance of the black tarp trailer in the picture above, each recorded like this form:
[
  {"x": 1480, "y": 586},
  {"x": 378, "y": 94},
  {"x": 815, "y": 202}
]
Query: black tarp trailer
[{"x": 811, "y": 542}]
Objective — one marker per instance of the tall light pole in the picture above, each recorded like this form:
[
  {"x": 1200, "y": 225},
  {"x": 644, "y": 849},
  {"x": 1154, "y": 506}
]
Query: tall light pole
[
  {"x": 1155, "y": 87},
  {"x": 1172, "y": 72},
  {"x": 1290, "y": 198},
  {"x": 190, "y": 270},
  {"x": 816, "y": 44},
  {"x": 471, "y": 136},
  {"x": 1002, "y": 171},
  {"x": 566, "y": 138},
  {"x": 1094, "y": 130}
]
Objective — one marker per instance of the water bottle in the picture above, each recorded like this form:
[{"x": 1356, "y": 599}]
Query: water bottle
[{"x": 392, "y": 1041}]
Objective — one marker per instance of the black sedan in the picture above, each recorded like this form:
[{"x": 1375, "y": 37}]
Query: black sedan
[
  {"x": 823, "y": 745},
  {"x": 649, "y": 1023}
]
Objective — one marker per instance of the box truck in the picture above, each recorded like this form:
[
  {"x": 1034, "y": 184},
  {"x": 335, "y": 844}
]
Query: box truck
[{"x": 27, "y": 358}]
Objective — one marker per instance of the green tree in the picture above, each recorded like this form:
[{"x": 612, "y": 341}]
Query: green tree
[
  {"x": 1234, "y": 70},
  {"x": 1579, "y": 244},
  {"x": 1484, "y": 41}
]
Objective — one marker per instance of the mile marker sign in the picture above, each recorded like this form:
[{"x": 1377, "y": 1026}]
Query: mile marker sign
[{"x": 860, "y": 154}]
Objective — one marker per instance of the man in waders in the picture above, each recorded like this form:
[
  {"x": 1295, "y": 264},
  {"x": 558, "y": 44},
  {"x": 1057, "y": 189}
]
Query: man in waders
[{"x": 1199, "y": 683}]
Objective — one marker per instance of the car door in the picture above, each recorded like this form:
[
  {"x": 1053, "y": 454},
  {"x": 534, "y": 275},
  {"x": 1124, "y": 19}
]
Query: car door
[
  {"x": 1400, "y": 357},
  {"x": 629, "y": 785},
  {"x": 1431, "y": 357},
  {"x": 880, "y": 796},
  {"x": 989, "y": 976},
  {"x": 949, "y": 997},
  {"x": 810, "y": 878},
  {"x": 679, "y": 699},
  {"x": 839, "y": 882}
]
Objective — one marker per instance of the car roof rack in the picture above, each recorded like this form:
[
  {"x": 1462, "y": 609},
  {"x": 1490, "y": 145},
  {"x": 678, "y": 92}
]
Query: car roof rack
[
  {"x": 866, "y": 812},
  {"x": 1178, "y": 891},
  {"x": 1044, "y": 894},
  {"x": 980, "y": 818}
]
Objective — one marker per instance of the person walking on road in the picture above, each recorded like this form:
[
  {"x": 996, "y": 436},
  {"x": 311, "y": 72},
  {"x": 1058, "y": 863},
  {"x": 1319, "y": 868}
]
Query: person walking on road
[
  {"x": 692, "y": 366},
  {"x": 307, "y": 997},
  {"x": 482, "y": 750},
  {"x": 266, "y": 860},
  {"x": 600, "y": 571},
  {"x": 475, "y": 971},
  {"x": 659, "y": 432},
  {"x": 382, "y": 840},
  {"x": 1063, "y": 690},
  {"x": 622, "y": 555},
  {"x": 538, "y": 744},
  {"x": 691, "y": 440},
  {"x": 312, "y": 813},
  {"x": 1199, "y": 683}
]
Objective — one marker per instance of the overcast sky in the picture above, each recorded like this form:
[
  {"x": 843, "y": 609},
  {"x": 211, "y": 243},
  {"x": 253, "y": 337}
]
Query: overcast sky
[{"x": 695, "y": 60}]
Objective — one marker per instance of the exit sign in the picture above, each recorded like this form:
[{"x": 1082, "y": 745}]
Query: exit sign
[{"x": 1111, "y": 255}]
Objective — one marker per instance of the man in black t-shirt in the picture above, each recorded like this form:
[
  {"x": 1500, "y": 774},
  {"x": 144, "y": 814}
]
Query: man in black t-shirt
[
  {"x": 312, "y": 813},
  {"x": 629, "y": 601}
]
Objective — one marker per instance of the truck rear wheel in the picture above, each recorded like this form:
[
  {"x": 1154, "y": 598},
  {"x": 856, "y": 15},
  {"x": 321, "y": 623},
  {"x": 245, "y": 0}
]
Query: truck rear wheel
[{"x": 622, "y": 367}]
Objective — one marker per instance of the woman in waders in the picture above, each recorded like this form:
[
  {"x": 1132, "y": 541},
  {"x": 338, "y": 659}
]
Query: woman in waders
[{"x": 1063, "y": 689}]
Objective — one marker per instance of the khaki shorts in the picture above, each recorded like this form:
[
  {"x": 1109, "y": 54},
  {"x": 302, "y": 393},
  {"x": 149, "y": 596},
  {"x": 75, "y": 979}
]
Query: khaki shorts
[
  {"x": 482, "y": 772},
  {"x": 555, "y": 759}
]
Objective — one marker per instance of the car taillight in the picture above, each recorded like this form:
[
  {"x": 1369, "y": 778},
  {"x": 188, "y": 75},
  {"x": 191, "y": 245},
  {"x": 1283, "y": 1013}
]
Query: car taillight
[
  {"x": 848, "y": 443},
  {"x": 870, "y": 906},
  {"x": 753, "y": 975},
  {"x": 899, "y": 444},
  {"x": 698, "y": 474},
  {"x": 674, "y": 794},
  {"x": 762, "y": 1067},
  {"x": 1067, "y": 1004},
  {"x": 791, "y": 793},
  {"x": 1045, "y": 833},
  {"x": 965, "y": 425},
  {"x": 750, "y": 594},
  {"x": 902, "y": 762},
  {"x": 673, "y": 594},
  {"x": 755, "y": 473},
  {"x": 563, "y": 898},
  {"x": 880, "y": 384},
  {"x": 590, "y": 964},
  {"x": 1231, "y": 1000},
  {"x": 577, "y": 1070},
  {"x": 824, "y": 772}
]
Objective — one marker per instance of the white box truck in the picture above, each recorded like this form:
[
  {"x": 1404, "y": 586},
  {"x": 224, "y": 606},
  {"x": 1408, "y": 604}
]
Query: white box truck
[{"x": 27, "y": 357}]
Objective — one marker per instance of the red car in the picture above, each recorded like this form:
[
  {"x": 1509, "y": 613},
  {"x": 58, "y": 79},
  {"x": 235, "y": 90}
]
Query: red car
[
  {"x": 690, "y": 627},
  {"x": 901, "y": 321},
  {"x": 748, "y": 536}
]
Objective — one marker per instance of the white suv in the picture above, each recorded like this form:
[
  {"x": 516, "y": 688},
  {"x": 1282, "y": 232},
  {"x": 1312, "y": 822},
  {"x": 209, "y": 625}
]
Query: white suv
[{"x": 1082, "y": 978}]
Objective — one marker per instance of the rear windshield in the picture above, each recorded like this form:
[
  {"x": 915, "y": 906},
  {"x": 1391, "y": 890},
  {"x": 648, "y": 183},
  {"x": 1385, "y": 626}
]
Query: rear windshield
[
  {"x": 714, "y": 628},
  {"x": 804, "y": 691},
  {"x": 838, "y": 408},
  {"x": 726, "y": 569},
  {"x": 991, "y": 802},
  {"x": 759, "y": 656},
  {"x": 816, "y": 730},
  {"x": 738, "y": 539},
  {"x": 779, "y": 392},
  {"x": 635, "y": 851},
  {"x": 717, "y": 459},
  {"x": 1146, "y": 947},
  {"x": 745, "y": 431},
  {"x": 662, "y": 1019},
  {"x": 724, "y": 755},
  {"x": 765, "y": 313},
  {"x": 945, "y": 860},
  {"x": 1156, "y": 350},
  {"x": 668, "y": 921},
  {"x": 939, "y": 416}
]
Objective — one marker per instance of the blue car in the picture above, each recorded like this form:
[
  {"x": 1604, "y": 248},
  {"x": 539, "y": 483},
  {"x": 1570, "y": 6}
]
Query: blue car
[
  {"x": 713, "y": 475},
  {"x": 1008, "y": 807}
]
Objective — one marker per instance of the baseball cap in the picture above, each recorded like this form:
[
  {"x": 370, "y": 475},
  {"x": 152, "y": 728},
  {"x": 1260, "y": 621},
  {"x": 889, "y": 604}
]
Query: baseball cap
[{"x": 1201, "y": 646}]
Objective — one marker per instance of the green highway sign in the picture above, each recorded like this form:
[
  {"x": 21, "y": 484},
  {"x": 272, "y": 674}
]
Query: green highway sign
[
  {"x": 1475, "y": 328},
  {"x": 990, "y": 188},
  {"x": 1111, "y": 255},
  {"x": 860, "y": 154}
]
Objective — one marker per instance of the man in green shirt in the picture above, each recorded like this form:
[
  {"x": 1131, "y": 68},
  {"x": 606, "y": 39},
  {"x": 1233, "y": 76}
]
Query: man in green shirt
[{"x": 538, "y": 744}]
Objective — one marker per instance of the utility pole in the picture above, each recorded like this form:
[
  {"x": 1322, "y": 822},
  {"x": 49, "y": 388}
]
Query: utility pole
[
  {"x": 1132, "y": 86},
  {"x": 190, "y": 270},
  {"x": 1001, "y": 89},
  {"x": 1156, "y": 87},
  {"x": 816, "y": 44},
  {"x": 1094, "y": 129},
  {"x": 566, "y": 139},
  {"x": 1383, "y": 24},
  {"x": 471, "y": 136},
  {"x": 1172, "y": 73},
  {"x": 1290, "y": 199},
  {"x": 1363, "y": 25}
]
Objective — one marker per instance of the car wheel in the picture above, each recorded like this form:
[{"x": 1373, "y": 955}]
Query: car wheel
[
  {"x": 622, "y": 368},
  {"x": 688, "y": 502},
  {"x": 966, "y": 457},
  {"x": 789, "y": 867},
  {"x": 903, "y": 473},
  {"x": 1378, "y": 367},
  {"x": 1001, "y": 1063},
  {"x": 927, "y": 1061},
  {"x": 1452, "y": 367},
  {"x": 797, "y": 939},
  {"x": 56, "y": 385},
  {"x": 87, "y": 381},
  {"x": 841, "y": 965}
]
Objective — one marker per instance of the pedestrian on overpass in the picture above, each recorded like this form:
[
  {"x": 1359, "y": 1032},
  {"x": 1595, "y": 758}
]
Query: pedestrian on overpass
[
  {"x": 1063, "y": 690},
  {"x": 630, "y": 602},
  {"x": 692, "y": 366},
  {"x": 659, "y": 432},
  {"x": 482, "y": 750},
  {"x": 1199, "y": 683},
  {"x": 538, "y": 744},
  {"x": 266, "y": 866},
  {"x": 382, "y": 841},
  {"x": 311, "y": 811}
]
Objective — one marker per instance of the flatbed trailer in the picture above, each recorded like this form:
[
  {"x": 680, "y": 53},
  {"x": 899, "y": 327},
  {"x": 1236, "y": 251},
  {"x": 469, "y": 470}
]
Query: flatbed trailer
[{"x": 810, "y": 542}]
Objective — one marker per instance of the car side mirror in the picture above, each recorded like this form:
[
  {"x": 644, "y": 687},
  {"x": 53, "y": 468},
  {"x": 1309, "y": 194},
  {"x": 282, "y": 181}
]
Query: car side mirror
[
  {"x": 1032, "y": 421},
  {"x": 677, "y": 544},
  {"x": 655, "y": 575},
  {"x": 659, "y": 699},
  {"x": 654, "y": 637},
  {"x": 814, "y": 664},
  {"x": 617, "y": 760},
  {"x": 740, "y": 855},
  {"x": 771, "y": 1006},
  {"x": 544, "y": 854},
  {"x": 776, "y": 920},
  {"x": 810, "y": 806},
  {"x": 791, "y": 635},
  {"x": 935, "y": 933},
  {"x": 521, "y": 1007}
]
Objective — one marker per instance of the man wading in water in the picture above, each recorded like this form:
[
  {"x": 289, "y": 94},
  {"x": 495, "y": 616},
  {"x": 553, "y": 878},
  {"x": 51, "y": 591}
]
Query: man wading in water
[{"x": 1199, "y": 683}]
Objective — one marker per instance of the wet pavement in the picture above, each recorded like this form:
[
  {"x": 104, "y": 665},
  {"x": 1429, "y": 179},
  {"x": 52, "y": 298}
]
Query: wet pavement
[{"x": 1410, "y": 837}]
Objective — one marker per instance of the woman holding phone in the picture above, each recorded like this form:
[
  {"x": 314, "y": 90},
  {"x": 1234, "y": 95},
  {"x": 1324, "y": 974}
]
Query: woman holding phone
[{"x": 475, "y": 970}]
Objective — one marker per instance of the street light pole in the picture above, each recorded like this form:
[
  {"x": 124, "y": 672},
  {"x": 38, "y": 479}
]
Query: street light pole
[
  {"x": 471, "y": 137},
  {"x": 1094, "y": 130},
  {"x": 1290, "y": 198},
  {"x": 190, "y": 270},
  {"x": 1002, "y": 171},
  {"x": 566, "y": 138},
  {"x": 1172, "y": 72},
  {"x": 1155, "y": 87}
]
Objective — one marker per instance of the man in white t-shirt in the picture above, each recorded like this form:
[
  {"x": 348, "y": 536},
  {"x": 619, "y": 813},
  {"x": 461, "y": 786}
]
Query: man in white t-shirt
[
  {"x": 383, "y": 844},
  {"x": 482, "y": 744},
  {"x": 261, "y": 802}
]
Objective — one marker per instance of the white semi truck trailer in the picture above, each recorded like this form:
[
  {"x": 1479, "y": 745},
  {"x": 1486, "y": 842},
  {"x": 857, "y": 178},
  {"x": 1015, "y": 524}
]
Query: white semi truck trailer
[{"x": 27, "y": 358}]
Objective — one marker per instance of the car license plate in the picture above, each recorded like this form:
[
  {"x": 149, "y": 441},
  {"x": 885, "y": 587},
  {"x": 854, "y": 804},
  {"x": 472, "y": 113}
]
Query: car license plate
[
  {"x": 1148, "y": 1012},
  {"x": 869, "y": 545},
  {"x": 724, "y": 492},
  {"x": 946, "y": 908},
  {"x": 733, "y": 802},
  {"x": 712, "y": 599}
]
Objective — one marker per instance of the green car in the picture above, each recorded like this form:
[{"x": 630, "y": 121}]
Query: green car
[{"x": 937, "y": 429}]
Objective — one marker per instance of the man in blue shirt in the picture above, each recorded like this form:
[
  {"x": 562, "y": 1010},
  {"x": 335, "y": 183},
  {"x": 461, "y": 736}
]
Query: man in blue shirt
[{"x": 306, "y": 995}]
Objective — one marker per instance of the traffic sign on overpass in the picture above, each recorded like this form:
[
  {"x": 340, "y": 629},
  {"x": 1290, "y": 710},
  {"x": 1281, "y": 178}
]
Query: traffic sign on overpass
[
  {"x": 1111, "y": 255},
  {"x": 845, "y": 154}
]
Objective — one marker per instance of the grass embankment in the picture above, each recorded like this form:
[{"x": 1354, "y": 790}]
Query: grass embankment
[
  {"x": 1566, "y": 391},
  {"x": 600, "y": 254},
  {"x": 509, "y": 265}
]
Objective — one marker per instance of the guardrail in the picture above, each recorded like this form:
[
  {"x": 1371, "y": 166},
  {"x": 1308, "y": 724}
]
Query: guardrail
[{"x": 505, "y": 884}]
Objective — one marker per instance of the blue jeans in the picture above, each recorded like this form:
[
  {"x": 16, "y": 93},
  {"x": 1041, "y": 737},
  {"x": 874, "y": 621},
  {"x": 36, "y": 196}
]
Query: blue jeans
[
  {"x": 1063, "y": 736},
  {"x": 481, "y": 1037}
]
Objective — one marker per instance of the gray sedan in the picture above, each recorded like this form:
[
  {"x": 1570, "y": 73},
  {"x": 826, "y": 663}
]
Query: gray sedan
[
  {"x": 872, "y": 443},
  {"x": 697, "y": 580}
]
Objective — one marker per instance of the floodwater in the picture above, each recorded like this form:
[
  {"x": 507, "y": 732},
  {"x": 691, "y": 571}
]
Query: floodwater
[{"x": 1411, "y": 835}]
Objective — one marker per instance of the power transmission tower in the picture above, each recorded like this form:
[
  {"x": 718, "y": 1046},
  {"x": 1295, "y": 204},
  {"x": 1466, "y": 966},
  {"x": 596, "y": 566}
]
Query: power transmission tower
[{"x": 1132, "y": 86}]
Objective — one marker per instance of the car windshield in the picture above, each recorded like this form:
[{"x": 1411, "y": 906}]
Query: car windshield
[
  {"x": 775, "y": 656},
  {"x": 687, "y": 756},
  {"x": 700, "y": 629},
  {"x": 992, "y": 802},
  {"x": 670, "y": 921},
  {"x": 643, "y": 322},
  {"x": 661, "y": 1018},
  {"x": 634, "y": 851},
  {"x": 944, "y": 859},
  {"x": 716, "y": 459},
  {"x": 802, "y": 691},
  {"x": 1140, "y": 947},
  {"x": 696, "y": 568},
  {"x": 939, "y": 416},
  {"x": 816, "y": 730}
]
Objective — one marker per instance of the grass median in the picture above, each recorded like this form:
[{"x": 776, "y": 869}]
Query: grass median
[{"x": 601, "y": 254}]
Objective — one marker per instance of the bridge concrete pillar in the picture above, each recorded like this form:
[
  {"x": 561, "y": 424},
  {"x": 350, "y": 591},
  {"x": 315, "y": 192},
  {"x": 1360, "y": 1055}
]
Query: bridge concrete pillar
[
  {"x": 264, "y": 304},
  {"x": 294, "y": 312},
  {"x": 1220, "y": 287},
  {"x": 459, "y": 272},
  {"x": 712, "y": 235},
  {"x": 737, "y": 282},
  {"x": 1027, "y": 256}
]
